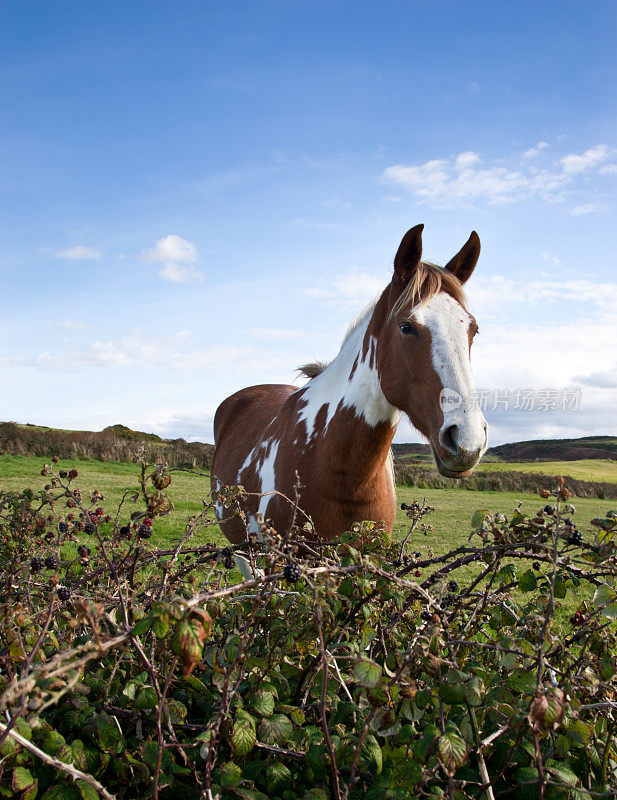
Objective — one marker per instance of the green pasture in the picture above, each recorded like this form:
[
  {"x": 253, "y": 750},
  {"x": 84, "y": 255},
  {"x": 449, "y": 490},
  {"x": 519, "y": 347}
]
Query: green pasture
[
  {"x": 451, "y": 518},
  {"x": 587, "y": 469}
]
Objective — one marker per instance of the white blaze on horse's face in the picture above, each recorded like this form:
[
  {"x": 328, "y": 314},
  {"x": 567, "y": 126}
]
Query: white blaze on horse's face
[{"x": 462, "y": 438}]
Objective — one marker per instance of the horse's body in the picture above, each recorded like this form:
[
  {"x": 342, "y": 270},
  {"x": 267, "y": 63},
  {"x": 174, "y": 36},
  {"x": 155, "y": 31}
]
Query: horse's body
[{"x": 335, "y": 432}]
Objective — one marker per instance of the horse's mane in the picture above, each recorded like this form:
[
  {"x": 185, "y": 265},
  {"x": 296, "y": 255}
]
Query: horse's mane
[{"x": 428, "y": 280}]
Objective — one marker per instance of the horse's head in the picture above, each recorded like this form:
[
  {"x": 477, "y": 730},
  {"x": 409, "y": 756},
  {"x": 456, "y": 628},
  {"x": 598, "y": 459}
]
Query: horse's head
[{"x": 424, "y": 335}]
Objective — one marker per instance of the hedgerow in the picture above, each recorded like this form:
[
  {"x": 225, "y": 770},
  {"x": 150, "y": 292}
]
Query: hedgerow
[{"x": 358, "y": 669}]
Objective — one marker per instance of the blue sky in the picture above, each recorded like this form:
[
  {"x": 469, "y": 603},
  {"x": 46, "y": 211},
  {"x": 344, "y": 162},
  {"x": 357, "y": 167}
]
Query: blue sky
[{"x": 199, "y": 196}]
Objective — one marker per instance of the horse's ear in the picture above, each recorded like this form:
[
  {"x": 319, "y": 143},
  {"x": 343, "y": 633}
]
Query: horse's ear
[
  {"x": 464, "y": 262},
  {"x": 409, "y": 253}
]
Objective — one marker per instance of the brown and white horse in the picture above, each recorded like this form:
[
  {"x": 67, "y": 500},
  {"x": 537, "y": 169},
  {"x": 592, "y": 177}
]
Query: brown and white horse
[{"x": 407, "y": 353}]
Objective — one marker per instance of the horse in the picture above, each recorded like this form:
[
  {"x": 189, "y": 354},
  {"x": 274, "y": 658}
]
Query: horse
[{"x": 407, "y": 353}]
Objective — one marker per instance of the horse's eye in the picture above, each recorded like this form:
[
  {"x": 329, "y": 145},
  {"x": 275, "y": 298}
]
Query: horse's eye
[{"x": 407, "y": 329}]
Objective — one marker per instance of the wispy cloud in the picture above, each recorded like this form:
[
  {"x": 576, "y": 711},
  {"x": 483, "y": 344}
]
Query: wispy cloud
[
  {"x": 349, "y": 287},
  {"x": 588, "y": 208},
  {"x": 602, "y": 379},
  {"x": 275, "y": 333},
  {"x": 140, "y": 350},
  {"x": 79, "y": 253},
  {"x": 302, "y": 222},
  {"x": 177, "y": 255},
  {"x": 466, "y": 179},
  {"x": 534, "y": 151},
  {"x": 73, "y": 325}
]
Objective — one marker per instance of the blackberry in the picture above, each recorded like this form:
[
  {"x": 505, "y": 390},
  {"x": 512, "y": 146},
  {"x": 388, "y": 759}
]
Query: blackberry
[
  {"x": 63, "y": 527},
  {"x": 49, "y": 537},
  {"x": 575, "y": 537},
  {"x": 536, "y": 565},
  {"x": 292, "y": 573},
  {"x": 83, "y": 551},
  {"x": 99, "y": 512},
  {"x": 73, "y": 474},
  {"x": 397, "y": 563},
  {"x": 64, "y": 593},
  {"x": 89, "y": 528},
  {"x": 36, "y": 564},
  {"x": 227, "y": 552},
  {"x": 452, "y": 586},
  {"x": 54, "y": 459},
  {"x": 125, "y": 531},
  {"x": 52, "y": 562},
  {"x": 144, "y": 531},
  {"x": 63, "y": 473},
  {"x": 405, "y": 507},
  {"x": 549, "y": 509},
  {"x": 229, "y": 562}
]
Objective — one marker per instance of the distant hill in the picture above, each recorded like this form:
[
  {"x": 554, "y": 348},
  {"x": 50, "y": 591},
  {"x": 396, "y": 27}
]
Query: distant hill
[
  {"x": 115, "y": 443},
  {"x": 533, "y": 450},
  {"x": 558, "y": 449}
]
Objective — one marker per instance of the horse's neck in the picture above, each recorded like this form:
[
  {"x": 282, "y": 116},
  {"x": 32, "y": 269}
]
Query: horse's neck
[{"x": 345, "y": 408}]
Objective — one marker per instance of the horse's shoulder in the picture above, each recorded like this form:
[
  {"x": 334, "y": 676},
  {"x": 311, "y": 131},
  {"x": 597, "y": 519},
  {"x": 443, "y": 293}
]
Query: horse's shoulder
[{"x": 262, "y": 401}]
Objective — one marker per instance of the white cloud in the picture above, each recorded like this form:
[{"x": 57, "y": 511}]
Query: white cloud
[
  {"x": 140, "y": 350},
  {"x": 534, "y": 151},
  {"x": 177, "y": 256},
  {"x": 302, "y": 222},
  {"x": 588, "y": 208},
  {"x": 174, "y": 273},
  {"x": 553, "y": 259},
  {"x": 79, "y": 253},
  {"x": 275, "y": 333},
  {"x": 497, "y": 292},
  {"x": 574, "y": 164},
  {"x": 465, "y": 180},
  {"x": 351, "y": 286},
  {"x": 74, "y": 325},
  {"x": 603, "y": 379}
]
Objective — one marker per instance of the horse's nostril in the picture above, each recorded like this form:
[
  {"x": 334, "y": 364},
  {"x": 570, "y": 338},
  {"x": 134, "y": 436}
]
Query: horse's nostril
[{"x": 449, "y": 438}]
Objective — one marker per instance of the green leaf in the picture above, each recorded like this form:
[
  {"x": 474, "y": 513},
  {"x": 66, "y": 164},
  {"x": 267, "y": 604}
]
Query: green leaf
[
  {"x": 474, "y": 690},
  {"x": 367, "y": 672},
  {"x": 160, "y": 626},
  {"x": 229, "y": 774},
  {"x": 371, "y": 754},
  {"x": 528, "y": 581},
  {"x": 453, "y": 694},
  {"x": 105, "y": 733},
  {"x": 610, "y": 611},
  {"x": 605, "y": 523},
  {"x": 86, "y": 791},
  {"x": 478, "y": 517},
  {"x": 22, "y": 779},
  {"x": 276, "y": 729},
  {"x": 562, "y": 772},
  {"x": 143, "y": 626},
  {"x": 61, "y": 792},
  {"x": 278, "y": 777},
  {"x": 560, "y": 589},
  {"x": 452, "y": 751},
  {"x": 603, "y": 595},
  {"x": 243, "y": 736},
  {"x": 262, "y": 703},
  {"x": 147, "y": 699}
]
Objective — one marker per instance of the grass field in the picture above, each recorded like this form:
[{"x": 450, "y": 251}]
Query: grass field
[
  {"x": 587, "y": 469},
  {"x": 451, "y": 519}
]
